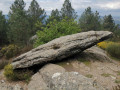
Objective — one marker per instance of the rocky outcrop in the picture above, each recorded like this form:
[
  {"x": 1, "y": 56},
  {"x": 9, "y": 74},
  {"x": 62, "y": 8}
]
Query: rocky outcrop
[
  {"x": 60, "y": 48},
  {"x": 42, "y": 79},
  {"x": 54, "y": 77},
  {"x": 95, "y": 53},
  {"x": 32, "y": 39}
]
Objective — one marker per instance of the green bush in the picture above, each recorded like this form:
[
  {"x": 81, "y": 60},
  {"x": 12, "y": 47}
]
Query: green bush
[
  {"x": 9, "y": 51},
  {"x": 3, "y": 51},
  {"x": 8, "y": 72},
  {"x": 114, "y": 49},
  {"x": 13, "y": 75},
  {"x": 56, "y": 29}
]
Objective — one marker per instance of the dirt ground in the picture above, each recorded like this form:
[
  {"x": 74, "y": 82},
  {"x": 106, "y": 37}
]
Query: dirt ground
[{"x": 105, "y": 73}]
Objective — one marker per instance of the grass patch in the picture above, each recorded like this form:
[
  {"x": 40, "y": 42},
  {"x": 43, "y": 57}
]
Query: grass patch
[
  {"x": 3, "y": 63},
  {"x": 13, "y": 75},
  {"x": 89, "y": 75},
  {"x": 117, "y": 81},
  {"x": 105, "y": 74},
  {"x": 118, "y": 72},
  {"x": 86, "y": 62}
]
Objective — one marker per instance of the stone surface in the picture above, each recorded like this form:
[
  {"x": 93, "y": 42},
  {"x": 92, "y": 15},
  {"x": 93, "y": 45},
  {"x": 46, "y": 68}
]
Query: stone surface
[
  {"x": 54, "y": 77},
  {"x": 60, "y": 48},
  {"x": 37, "y": 83},
  {"x": 42, "y": 79},
  {"x": 5, "y": 86},
  {"x": 32, "y": 39},
  {"x": 95, "y": 53}
]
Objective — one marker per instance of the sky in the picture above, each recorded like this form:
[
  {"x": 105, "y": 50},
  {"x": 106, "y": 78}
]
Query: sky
[{"x": 104, "y": 7}]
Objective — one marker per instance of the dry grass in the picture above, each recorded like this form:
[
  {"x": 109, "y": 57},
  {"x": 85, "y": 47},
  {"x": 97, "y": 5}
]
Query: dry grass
[{"x": 3, "y": 63}]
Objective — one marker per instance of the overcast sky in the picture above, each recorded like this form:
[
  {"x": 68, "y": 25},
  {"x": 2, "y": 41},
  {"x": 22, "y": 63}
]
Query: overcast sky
[{"x": 104, "y": 7}]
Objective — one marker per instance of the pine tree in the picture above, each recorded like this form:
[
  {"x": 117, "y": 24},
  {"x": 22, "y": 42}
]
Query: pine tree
[
  {"x": 3, "y": 29},
  {"x": 36, "y": 14},
  {"x": 18, "y": 23},
  {"x": 68, "y": 11},
  {"x": 89, "y": 20},
  {"x": 108, "y": 23},
  {"x": 55, "y": 14}
]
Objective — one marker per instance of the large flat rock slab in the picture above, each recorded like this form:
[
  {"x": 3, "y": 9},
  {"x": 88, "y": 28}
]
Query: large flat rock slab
[
  {"x": 54, "y": 77},
  {"x": 60, "y": 48}
]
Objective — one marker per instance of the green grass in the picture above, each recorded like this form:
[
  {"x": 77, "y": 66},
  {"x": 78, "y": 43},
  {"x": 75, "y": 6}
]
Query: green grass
[
  {"x": 117, "y": 81},
  {"x": 89, "y": 75},
  {"x": 118, "y": 72},
  {"x": 105, "y": 74},
  {"x": 86, "y": 62}
]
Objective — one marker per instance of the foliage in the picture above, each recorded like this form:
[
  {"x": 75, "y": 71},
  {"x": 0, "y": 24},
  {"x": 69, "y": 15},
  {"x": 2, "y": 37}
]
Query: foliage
[
  {"x": 3, "y": 51},
  {"x": 56, "y": 29},
  {"x": 114, "y": 50},
  {"x": 8, "y": 72},
  {"x": 55, "y": 14},
  {"x": 117, "y": 33},
  {"x": 90, "y": 20},
  {"x": 13, "y": 75},
  {"x": 117, "y": 81},
  {"x": 3, "y": 63},
  {"x": 19, "y": 31},
  {"x": 3, "y": 29},
  {"x": 108, "y": 23},
  {"x": 86, "y": 62},
  {"x": 10, "y": 51},
  {"x": 35, "y": 13},
  {"x": 89, "y": 76},
  {"x": 104, "y": 44},
  {"x": 68, "y": 11},
  {"x": 105, "y": 74}
]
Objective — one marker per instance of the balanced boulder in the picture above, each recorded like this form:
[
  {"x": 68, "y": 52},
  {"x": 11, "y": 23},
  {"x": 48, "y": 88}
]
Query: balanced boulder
[{"x": 60, "y": 48}]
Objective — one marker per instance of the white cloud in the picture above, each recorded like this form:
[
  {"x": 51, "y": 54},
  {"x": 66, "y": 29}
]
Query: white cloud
[
  {"x": 78, "y": 5},
  {"x": 110, "y": 5}
]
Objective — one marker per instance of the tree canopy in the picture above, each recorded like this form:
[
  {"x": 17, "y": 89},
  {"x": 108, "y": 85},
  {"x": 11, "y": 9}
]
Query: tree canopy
[
  {"x": 18, "y": 32},
  {"x": 68, "y": 11},
  {"x": 3, "y": 29},
  {"x": 90, "y": 20}
]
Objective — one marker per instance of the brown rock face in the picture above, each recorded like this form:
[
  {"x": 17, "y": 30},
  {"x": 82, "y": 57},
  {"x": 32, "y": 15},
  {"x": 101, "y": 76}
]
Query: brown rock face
[{"x": 60, "y": 48}]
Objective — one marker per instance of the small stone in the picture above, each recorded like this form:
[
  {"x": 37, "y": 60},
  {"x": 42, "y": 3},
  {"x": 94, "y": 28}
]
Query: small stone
[
  {"x": 68, "y": 63},
  {"x": 2, "y": 81},
  {"x": 113, "y": 77}
]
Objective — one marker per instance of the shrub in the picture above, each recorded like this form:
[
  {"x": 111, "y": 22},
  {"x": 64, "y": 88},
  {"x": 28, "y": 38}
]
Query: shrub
[
  {"x": 104, "y": 44},
  {"x": 13, "y": 75},
  {"x": 8, "y": 72},
  {"x": 12, "y": 50},
  {"x": 56, "y": 29},
  {"x": 9, "y": 51},
  {"x": 3, "y": 63},
  {"x": 3, "y": 51},
  {"x": 114, "y": 49}
]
